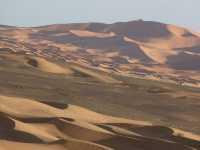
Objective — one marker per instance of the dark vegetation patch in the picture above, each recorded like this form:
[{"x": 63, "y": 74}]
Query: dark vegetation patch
[
  {"x": 6, "y": 50},
  {"x": 56, "y": 104},
  {"x": 80, "y": 74},
  {"x": 33, "y": 62},
  {"x": 157, "y": 90}
]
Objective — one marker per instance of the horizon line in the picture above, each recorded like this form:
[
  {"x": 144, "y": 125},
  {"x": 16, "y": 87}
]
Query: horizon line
[{"x": 97, "y": 22}]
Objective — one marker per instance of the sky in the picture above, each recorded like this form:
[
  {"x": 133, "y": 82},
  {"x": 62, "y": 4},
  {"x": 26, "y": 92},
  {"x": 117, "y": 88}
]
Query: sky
[{"x": 42, "y": 12}]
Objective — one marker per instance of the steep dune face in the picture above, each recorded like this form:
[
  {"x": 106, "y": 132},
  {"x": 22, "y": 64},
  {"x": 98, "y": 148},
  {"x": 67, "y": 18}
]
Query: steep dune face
[
  {"x": 27, "y": 124},
  {"x": 153, "y": 50},
  {"x": 140, "y": 30}
]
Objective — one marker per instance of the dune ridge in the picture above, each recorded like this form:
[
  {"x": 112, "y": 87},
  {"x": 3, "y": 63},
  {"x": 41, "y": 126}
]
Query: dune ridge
[
  {"x": 47, "y": 66},
  {"x": 139, "y": 45},
  {"x": 29, "y": 124},
  {"x": 68, "y": 86}
]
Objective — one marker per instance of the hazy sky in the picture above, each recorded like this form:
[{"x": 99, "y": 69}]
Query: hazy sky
[{"x": 42, "y": 12}]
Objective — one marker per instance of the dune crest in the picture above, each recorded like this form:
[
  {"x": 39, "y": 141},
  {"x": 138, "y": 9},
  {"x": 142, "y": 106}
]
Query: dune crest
[
  {"x": 84, "y": 33},
  {"x": 47, "y": 66},
  {"x": 28, "y": 124},
  {"x": 144, "y": 44},
  {"x": 96, "y": 86}
]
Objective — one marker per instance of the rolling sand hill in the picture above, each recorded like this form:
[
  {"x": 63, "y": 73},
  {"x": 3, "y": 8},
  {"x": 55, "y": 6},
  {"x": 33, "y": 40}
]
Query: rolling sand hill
[
  {"x": 27, "y": 124},
  {"x": 93, "y": 86},
  {"x": 157, "y": 50},
  {"x": 49, "y": 104}
]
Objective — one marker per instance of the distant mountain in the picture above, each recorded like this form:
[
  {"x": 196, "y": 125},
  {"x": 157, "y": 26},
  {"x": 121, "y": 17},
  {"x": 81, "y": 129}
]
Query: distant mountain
[{"x": 145, "y": 48}]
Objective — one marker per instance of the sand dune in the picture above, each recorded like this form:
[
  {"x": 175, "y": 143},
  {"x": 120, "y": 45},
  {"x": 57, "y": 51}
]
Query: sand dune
[
  {"x": 83, "y": 33},
  {"x": 147, "y": 43},
  {"x": 153, "y": 50},
  {"x": 28, "y": 124},
  {"x": 41, "y": 95},
  {"x": 38, "y": 63},
  {"x": 47, "y": 66},
  {"x": 86, "y": 71}
]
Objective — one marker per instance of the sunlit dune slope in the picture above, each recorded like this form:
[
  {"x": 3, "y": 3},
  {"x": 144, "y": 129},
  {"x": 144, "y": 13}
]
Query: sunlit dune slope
[{"x": 27, "y": 124}]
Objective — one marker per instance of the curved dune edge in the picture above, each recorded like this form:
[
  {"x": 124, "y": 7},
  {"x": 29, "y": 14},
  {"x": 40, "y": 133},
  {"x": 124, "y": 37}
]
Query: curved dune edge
[
  {"x": 85, "y": 33},
  {"x": 103, "y": 78},
  {"x": 28, "y": 124},
  {"x": 33, "y": 62},
  {"x": 47, "y": 66}
]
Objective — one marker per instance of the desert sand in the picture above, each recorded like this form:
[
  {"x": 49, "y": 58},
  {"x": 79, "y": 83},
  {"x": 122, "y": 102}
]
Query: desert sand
[
  {"x": 146, "y": 44},
  {"x": 27, "y": 124},
  {"x": 94, "y": 86}
]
